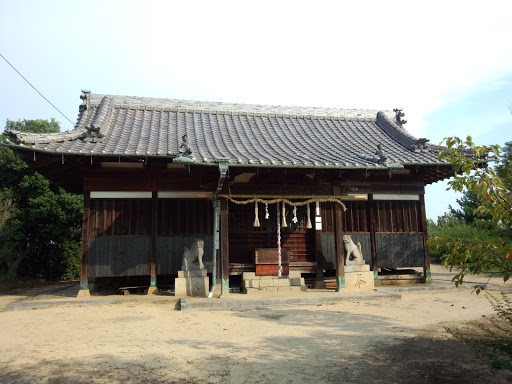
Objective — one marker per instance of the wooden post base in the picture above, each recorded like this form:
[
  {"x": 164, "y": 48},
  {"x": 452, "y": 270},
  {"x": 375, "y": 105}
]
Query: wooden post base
[
  {"x": 152, "y": 291},
  {"x": 83, "y": 293}
]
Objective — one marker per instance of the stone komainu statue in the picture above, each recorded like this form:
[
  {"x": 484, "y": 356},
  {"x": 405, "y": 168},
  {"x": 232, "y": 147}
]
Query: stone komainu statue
[
  {"x": 353, "y": 253},
  {"x": 193, "y": 257}
]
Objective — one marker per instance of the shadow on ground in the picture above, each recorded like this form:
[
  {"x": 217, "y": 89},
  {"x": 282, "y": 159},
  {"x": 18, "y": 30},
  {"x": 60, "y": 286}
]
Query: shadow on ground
[
  {"x": 415, "y": 360},
  {"x": 343, "y": 348}
]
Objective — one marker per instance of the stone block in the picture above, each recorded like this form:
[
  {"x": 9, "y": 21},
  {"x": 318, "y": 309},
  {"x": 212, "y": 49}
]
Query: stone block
[
  {"x": 294, "y": 274},
  {"x": 266, "y": 281},
  {"x": 253, "y": 283},
  {"x": 296, "y": 281},
  {"x": 253, "y": 290},
  {"x": 357, "y": 268},
  {"x": 248, "y": 275},
  {"x": 359, "y": 280},
  {"x": 193, "y": 273},
  {"x": 271, "y": 289},
  {"x": 283, "y": 282},
  {"x": 191, "y": 286}
]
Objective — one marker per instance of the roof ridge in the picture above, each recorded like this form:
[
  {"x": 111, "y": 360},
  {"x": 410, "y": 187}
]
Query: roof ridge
[
  {"x": 394, "y": 130},
  {"x": 181, "y": 105}
]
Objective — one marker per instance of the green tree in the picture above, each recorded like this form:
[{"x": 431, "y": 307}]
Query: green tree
[
  {"x": 34, "y": 126},
  {"x": 469, "y": 204},
  {"x": 478, "y": 254},
  {"x": 504, "y": 168},
  {"x": 42, "y": 227}
]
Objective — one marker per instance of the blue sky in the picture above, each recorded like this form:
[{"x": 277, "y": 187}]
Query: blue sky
[{"x": 448, "y": 64}]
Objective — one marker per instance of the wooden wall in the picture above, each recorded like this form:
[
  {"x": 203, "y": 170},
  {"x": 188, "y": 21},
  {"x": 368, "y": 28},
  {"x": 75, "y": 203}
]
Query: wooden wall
[
  {"x": 119, "y": 229},
  {"x": 329, "y": 250},
  {"x": 170, "y": 252},
  {"x": 184, "y": 217},
  {"x": 120, "y": 234},
  {"x": 398, "y": 217},
  {"x": 119, "y": 217},
  {"x": 399, "y": 250},
  {"x": 398, "y": 228},
  {"x": 119, "y": 256},
  {"x": 244, "y": 237}
]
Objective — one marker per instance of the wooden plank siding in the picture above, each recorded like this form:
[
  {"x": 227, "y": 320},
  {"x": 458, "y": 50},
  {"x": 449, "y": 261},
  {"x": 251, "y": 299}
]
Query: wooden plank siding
[
  {"x": 399, "y": 250},
  {"x": 184, "y": 217},
  {"x": 354, "y": 219},
  {"x": 132, "y": 217},
  {"x": 121, "y": 234},
  {"x": 244, "y": 237},
  {"x": 398, "y": 217},
  {"x": 397, "y": 232},
  {"x": 329, "y": 248},
  {"x": 242, "y": 245},
  {"x": 119, "y": 256},
  {"x": 119, "y": 217},
  {"x": 170, "y": 252}
]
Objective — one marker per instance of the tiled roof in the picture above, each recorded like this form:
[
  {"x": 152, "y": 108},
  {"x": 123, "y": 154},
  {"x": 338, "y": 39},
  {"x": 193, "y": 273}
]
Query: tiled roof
[{"x": 247, "y": 134}]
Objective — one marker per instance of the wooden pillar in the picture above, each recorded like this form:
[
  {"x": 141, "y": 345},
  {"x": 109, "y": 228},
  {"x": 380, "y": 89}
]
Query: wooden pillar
[
  {"x": 426, "y": 265},
  {"x": 373, "y": 225},
  {"x": 340, "y": 254},
  {"x": 224, "y": 247},
  {"x": 154, "y": 228},
  {"x": 319, "y": 282},
  {"x": 84, "y": 282}
]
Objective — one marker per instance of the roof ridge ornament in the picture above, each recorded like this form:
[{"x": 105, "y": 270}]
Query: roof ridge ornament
[
  {"x": 421, "y": 145},
  {"x": 97, "y": 129},
  {"x": 185, "y": 152},
  {"x": 398, "y": 116},
  {"x": 86, "y": 97},
  {"x": 383, "y": 159},
  {"x": 187, "y": 149}
]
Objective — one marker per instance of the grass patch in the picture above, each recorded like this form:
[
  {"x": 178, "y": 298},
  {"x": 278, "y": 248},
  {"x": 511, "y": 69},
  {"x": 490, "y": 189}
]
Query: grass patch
[{"x": 491, "y": 337}]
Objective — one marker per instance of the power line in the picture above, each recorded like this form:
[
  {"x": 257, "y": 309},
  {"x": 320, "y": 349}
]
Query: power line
[{"x": 37, "y": 90}]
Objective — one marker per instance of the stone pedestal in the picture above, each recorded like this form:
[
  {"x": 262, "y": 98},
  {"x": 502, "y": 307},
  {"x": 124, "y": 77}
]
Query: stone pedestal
[
  {"x": 191, "y": 283},
  {"x": 358, "y": 277}
]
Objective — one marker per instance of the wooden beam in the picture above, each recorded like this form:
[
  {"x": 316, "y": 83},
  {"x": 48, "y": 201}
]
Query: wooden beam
[
  {"x": 317, "y": 227},
  {"x": 299, "y": 196},
  {"x": 84, "y": 283},
  {"x": 224, "y": 246},
  {"x": 372, "y": 227},
  {"x": 340, "y": 254},
  {"x": 154, "y": 228},
  {"x": 426, "y": 266}
]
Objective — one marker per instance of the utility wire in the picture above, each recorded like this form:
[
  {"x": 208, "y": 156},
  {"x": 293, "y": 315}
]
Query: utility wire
[{"x": 37, "y": 90}]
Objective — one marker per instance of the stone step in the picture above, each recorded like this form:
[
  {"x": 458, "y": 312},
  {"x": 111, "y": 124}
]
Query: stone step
[
  {"x": 264, "y": 283},
  {"x": 275, "y": 289},
  {"x": 282, "y": 282}
]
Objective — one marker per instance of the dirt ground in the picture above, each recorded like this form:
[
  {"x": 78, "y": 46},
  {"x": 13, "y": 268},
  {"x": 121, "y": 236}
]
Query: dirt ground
[{"x": 378, "y": 341}]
